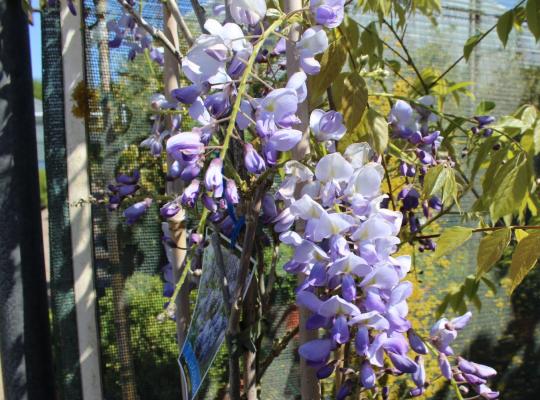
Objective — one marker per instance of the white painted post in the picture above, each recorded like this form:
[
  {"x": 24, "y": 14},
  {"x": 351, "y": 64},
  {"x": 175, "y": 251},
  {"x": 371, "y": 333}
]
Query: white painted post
[
  {"x": 309, "y": 384},
  {"x": 80, "y": 216}
]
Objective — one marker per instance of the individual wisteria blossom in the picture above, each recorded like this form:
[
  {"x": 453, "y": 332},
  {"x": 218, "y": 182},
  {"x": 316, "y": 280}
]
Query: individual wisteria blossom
[
  {"x": 326, "y": 125},
  {"x": 329, "y": 13},
  {"x": 137, "y": 210},
  {"x": 248, "y": 12},
  {"x": 206, "y": 60},
  {"x": 313, "y": 41},
  {"x": 356, "y": 290}
]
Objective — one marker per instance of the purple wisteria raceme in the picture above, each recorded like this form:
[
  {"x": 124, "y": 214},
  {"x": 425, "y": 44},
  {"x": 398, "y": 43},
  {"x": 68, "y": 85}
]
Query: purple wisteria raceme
[{"x": 354, "y": 286}]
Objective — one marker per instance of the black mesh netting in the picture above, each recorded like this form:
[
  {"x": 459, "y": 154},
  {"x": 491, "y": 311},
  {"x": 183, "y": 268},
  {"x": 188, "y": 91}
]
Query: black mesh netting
[{"x": 138, "y": 353}]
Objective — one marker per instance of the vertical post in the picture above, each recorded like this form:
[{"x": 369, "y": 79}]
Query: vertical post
[
  {"x": 177, "y": 226},
  {"x": 80, "y": 217},
  {"x": 309, "y": 385},
  {"x": 25, "y": 348}
]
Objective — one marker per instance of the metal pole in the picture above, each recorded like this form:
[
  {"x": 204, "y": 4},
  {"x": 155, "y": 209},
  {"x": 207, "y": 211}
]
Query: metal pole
[{"x": 24, "y": 327}]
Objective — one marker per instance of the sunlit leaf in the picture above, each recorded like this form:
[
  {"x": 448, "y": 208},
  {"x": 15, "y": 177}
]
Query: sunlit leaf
[
  {"x": 513, "y": 183},
  {"x": 451, "y": 239},
  {"x": 376, "y": 127},
  {"x": 491, "y": 249},
  {"x": 350, "y": 96},
  {"x": 332, "y": 62},
  {"x": 524, "y": 259},
  {"x": 470, "y": 44},
  {"x": 520, "y": 234}
]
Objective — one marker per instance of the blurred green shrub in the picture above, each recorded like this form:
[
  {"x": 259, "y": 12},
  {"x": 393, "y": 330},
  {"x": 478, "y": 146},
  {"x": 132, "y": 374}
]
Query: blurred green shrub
[{"x": 154, "y": 346}]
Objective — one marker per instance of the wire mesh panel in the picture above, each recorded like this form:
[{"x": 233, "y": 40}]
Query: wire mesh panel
[{"x": 65, "y": 341}]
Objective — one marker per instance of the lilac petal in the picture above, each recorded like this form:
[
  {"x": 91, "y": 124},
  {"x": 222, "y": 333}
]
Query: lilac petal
[
  {"x": 310, "y": 65},
  {"x": 373, "y": 302},
  {"x": 416, "y": 343},
  {"x": 367, "y": 375},
  {"x": 297, "y": 82},
  {"x": 186, "y": 95},
  {"x": 213, "y": 178},
  {"x": 473, "y": 379},
  {"x": 283, "y": 221},
  {"x": 326, "y": 371},
  {"x": 253, "y": 162},
  {"x": 396, "y": 344},
  {"x": 308, "y": 300},
  {"x": 340, "y": 330},
  {"x": 444, "y": 365},
  {"x": 403, "y": 363},
  {"x": 419, "y": 376},
  {"x": 460, "y": 322},
  {"x": 231, "y": 192},
  {"x": 361, "y": 342},
  {"x": 317, "y": 321},
  {"x": 348, "y": 288},
  {"x": 284, "y": 139},
  {"x": 483, "y": 370},
  {"x": 336, "y": 305},
  {"x": 316, "y": 351},
  {"x": 137, "y": 210}
]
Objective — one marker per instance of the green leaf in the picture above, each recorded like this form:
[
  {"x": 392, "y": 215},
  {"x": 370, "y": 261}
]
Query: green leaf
[
  {"x": 441, "y": 179},
  {"x": 451, "y": 239},
  {"x": 484, "y": 107},
  {"x": 513, "y": 183},
  {"x": 332, "y": 62},
  {"x": 470, "y": 286},
  {"x": 491, "y": 286},
  {"x": 532, "y": 10},
  {"x": 350, "y": 97},
  {"x": 482, "y": 154},
  {"x": 491, "y": 250},
  {"x": 434, "y": 180},
  {"x": 376, "y": 127},
  {"x": 524, "y": 259},
  {"x": 470, "y": 44},
  {"x": 520, "y": 234},
  {"x": 504, "y": 26}
]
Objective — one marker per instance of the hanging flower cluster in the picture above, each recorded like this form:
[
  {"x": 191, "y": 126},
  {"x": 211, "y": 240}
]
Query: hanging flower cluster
[{"x": 354, "y": 286}]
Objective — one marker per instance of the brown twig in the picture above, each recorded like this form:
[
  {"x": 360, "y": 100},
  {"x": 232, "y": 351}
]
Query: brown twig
[
  {"x": 175, "y": 12},
  {"x": 200, "y": 13}
]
